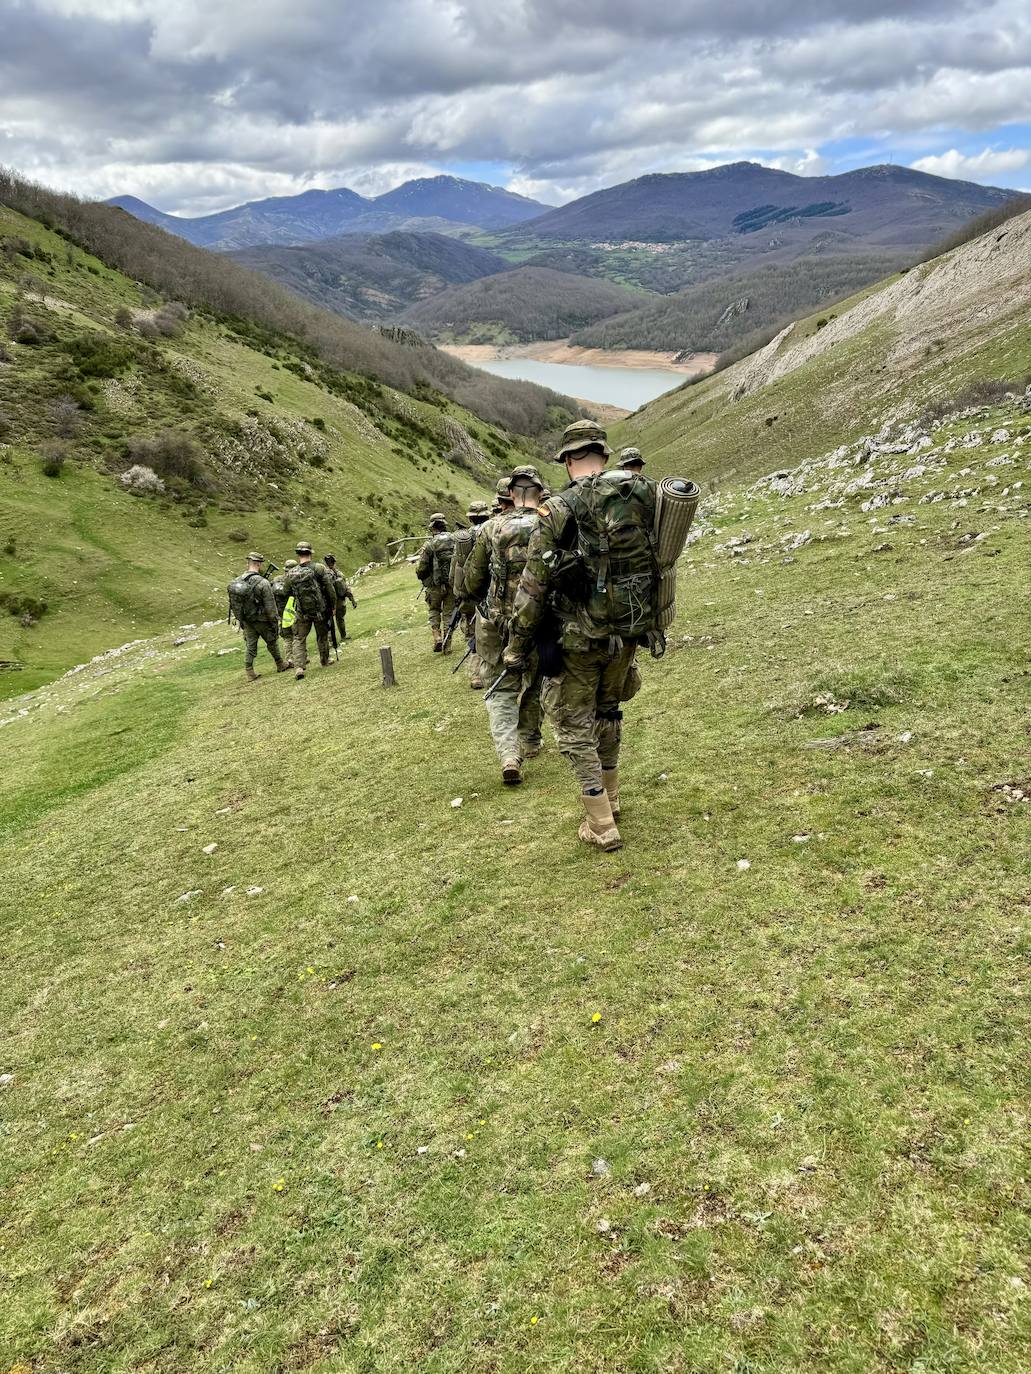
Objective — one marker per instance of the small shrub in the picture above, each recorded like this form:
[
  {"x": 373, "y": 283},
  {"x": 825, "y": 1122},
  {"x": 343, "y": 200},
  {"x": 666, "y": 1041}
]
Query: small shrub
[
  {"x": 27, "y": 609},
  {"x": 142, "y": 481},
  {"x": 6, "y": 425},
  {"x": 822, "y": 323},
  {"x": 10, "y": 547},
  {"x": 238, "y": 536},
  {"x": 319, "y": 423},
  {"x": 123, "y": 318},
  {"x": 97, "y": 356},
  {"x": 284, "y": 522},
  {"x": 171, "y": 455},
  {"x": 146, "y": 328},
  {"x": 66, "y": 417},
  {"x": 54, "y": 457},
  {"x": 170, "y": 320},
  {"x": 30, "y": 333}
]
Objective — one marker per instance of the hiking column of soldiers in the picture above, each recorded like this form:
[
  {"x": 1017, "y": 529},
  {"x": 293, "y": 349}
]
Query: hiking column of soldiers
[{"x": 554, "y": 594}]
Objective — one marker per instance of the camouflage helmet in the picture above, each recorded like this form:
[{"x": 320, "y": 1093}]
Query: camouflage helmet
[
  {"x": 476, "y": 509},
  {"x": 582, "y": 434},
  {"x": 437, "y": 518},
  {"x": 290, "y": 563},
  {"x": 504, "y": 489},
  {"x": 526, "y": 473},
  {"x": 329, "y": 558},
  {"x": 303, "y": 547},
  {"x": 253, "y": 557},
  {"x": 630, "y": 457}
]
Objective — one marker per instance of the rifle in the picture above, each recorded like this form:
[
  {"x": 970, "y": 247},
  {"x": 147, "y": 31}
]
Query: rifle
[
  {"x": 452, "y": 624},
  {"x": 421, "y": 594},
  {"x": 497, "y": 682},
  {"x": 333, "y": 635},
  {"x": 471, "y": 650},
  {"x": 270, "y": 568}
]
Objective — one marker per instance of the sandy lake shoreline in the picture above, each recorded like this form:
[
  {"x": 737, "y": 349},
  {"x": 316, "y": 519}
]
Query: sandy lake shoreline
[{"x": 560, "y": 351}]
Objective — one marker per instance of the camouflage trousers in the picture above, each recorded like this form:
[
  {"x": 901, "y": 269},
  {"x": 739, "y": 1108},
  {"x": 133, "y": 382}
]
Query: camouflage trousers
[
  {"x": 468, "y": 627},
  {"x": 252, "y": 632},
  {"x": 513, "y": 711},
  {"x": 302, "y": 626},
  {"x": 340, "y": 614},
  {"x": 440, "y": 602},
  {"x": 287, "y": 637},
  {"x": 582, "y": 706}
]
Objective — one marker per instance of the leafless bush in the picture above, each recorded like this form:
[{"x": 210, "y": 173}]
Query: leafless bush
[
  {"x": 142, "y": 481},
  {"x": 66, "y": 417},
  {"x": 171, "y": 455}
]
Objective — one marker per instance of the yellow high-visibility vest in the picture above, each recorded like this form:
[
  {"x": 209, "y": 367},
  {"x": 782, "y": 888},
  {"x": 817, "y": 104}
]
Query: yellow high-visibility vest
[{"x": 289, "y": 613}]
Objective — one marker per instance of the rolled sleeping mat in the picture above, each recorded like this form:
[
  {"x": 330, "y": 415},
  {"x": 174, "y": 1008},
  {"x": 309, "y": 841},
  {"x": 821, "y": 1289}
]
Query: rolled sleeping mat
[{"x": 674, "y": 510}]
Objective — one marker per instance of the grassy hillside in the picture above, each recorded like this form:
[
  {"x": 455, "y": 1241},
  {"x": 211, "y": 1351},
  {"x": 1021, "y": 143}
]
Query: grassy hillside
[
  {"x": 917, "y": 339},
  {"x": 260, "y": 441},
  {"x": 521, "y": 305},
  {"x": 373, "y": 277},
  {"x": 386, "y": 1083}
]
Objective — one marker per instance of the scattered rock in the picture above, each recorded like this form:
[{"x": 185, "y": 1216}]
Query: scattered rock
[
  {"x": 6, "y": 1079},
  {"x": 189, "y": 896},
  {"x": 603, "y": 1226},
  {"x": 744, "y": 865},
  {"x": 255, "y": 891},
  {"x": 209, "y": 849},
  {"x": 642, "y": 1190},
  {"x": 601, "y": 1168},
  {"x": 456, "y": 802}
]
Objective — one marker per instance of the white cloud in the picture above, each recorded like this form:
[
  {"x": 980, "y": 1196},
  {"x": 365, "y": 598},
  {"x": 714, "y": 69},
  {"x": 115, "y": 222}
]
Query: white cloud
[
  {"x": 197, "y": 105},
  {"x": 982, "y": 166}
]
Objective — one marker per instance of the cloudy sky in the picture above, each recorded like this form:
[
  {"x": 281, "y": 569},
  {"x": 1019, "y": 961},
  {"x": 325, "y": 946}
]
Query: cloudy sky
[{"x": 197, "y": 106}]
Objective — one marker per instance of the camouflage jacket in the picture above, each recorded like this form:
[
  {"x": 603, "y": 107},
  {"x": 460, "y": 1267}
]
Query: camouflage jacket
[
  {"x": 280, "y": 594},
  {"x": 325, "y": 581},
  {"x": 342, "y": 588},
  {"x": 557, "y": 578},
  {"x": 433, "y": 568},
  {"x": 497, "y": 560},
  {"x": 464, "y": 541},
  {"x": 270, "y": 611}
]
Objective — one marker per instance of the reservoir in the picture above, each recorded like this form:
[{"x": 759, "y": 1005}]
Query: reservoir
[{"x": 626, "y": 387}]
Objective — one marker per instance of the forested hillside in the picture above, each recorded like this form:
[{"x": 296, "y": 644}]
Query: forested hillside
[
  {"x": 739, "y": 311},
  {"x": 373, "y": 277},
  {"x": 522, "y": 305}
]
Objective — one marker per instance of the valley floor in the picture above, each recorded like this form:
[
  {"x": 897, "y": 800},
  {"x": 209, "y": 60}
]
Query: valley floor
[{"x": 324, "y": 1051}]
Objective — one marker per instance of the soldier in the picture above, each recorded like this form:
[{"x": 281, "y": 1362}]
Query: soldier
[
  {"x": 630, "y": 460},
  {"x": 314, "y": 594},
  {"x": 492, "y": 573},
  {"x": 464, "y": 541},
  {"x": 591, "y": 563},
  {"x": 433, "y": 570},
  {"x": 344, "y": 594},
  {"x": 282, "y": 597},
  {"x": 252, "y": 602}
]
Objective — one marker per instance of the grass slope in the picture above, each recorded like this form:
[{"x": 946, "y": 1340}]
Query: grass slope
[
  {"x": 918, "y": 337},
  {"x": 288, "y": 448},
  {"x": 402, "y": 1085}
]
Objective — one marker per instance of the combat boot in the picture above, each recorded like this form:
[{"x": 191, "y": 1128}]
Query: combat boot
[
  {"x": 281, "y": 665},
  {"x": 531, "y": 748},
  {"x": 512, "y": 772},
  {"x": 476, "y": 683},
  {"x": 438, "y": 645},
  {"x": 252, "y": 676},
  {"x": 610, "y": 781},
  {"x": 599, "y": 827},
  {"x": 299, "y": 675}
]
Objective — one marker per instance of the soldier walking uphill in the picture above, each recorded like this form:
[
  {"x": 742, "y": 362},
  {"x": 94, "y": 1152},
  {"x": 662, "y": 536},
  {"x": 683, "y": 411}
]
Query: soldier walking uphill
[
  {"x": 592, "y": 566},
  {"x": 344, "y": 594},
  {"x": 434, "y": 572},
  {"x": 464, "y": 541},
  {"x": 492, "y": 571},
  {"x": 314, "y": 594},
  {"x": 282, "y": 596},
  {"x": 252, "y": 601}
]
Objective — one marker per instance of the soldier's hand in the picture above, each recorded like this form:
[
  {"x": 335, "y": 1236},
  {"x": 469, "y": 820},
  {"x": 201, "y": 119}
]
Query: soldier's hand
[{"x": 514, "y": 657}]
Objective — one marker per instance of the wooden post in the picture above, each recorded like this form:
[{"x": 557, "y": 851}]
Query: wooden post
[{"x": 386, "y": 659}]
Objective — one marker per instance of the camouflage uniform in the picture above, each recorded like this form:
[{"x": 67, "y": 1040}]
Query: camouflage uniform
[
  {"x": 252, "y": 601},
  {"x": 433, "y": 571},
  {"x": 303, "y": 622},
  {"x": 492, "y": 574},
  {"x": 464, "y": 541},
  {"x": 344, "y": 594},
  {"x": 598, "y": 672},
  {"x": 282, "y": 597}
]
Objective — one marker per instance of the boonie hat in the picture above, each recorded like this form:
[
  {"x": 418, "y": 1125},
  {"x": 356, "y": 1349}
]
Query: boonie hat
[
  {"x": 303, "y": 548},
  {"x": 630, "y": 456},
  {"x": 290, "y": 563},
  {"x": 253, "y": 557},
  {"x": 476, "y": 508},
  {"x": 526, "y": 473},
  {"x": 582, "y": 434},
  {"x": 504, "y": 488}
]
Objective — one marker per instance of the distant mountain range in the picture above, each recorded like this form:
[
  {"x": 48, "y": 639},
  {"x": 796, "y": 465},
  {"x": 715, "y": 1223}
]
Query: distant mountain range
[
  {"x": 428, "y": 203},
  {"x": 884, "y": 206}
]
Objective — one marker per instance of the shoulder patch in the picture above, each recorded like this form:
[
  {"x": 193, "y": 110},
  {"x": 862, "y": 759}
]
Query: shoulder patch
[{"x": 543, "y": 511}]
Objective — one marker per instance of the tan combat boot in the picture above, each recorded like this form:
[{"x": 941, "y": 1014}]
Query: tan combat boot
[
  {"x": 281, "y": 665},
  {"x": 599, "y": 827},
  {"x": 252, "y": 676},
  {"x": 476, "y": 683},
  {"x": 438, "y": 642},
  {"x": 610, "y": 781},
  {"x": 511, "y": 772}
]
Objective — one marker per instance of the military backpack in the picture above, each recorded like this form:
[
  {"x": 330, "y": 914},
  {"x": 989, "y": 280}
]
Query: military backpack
[
  {"x": 306, "y": 589},
  {"x": 245, "y": 600},
  {"x": 440, "y": 551},
  {"x": 614, "y": 513}
]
